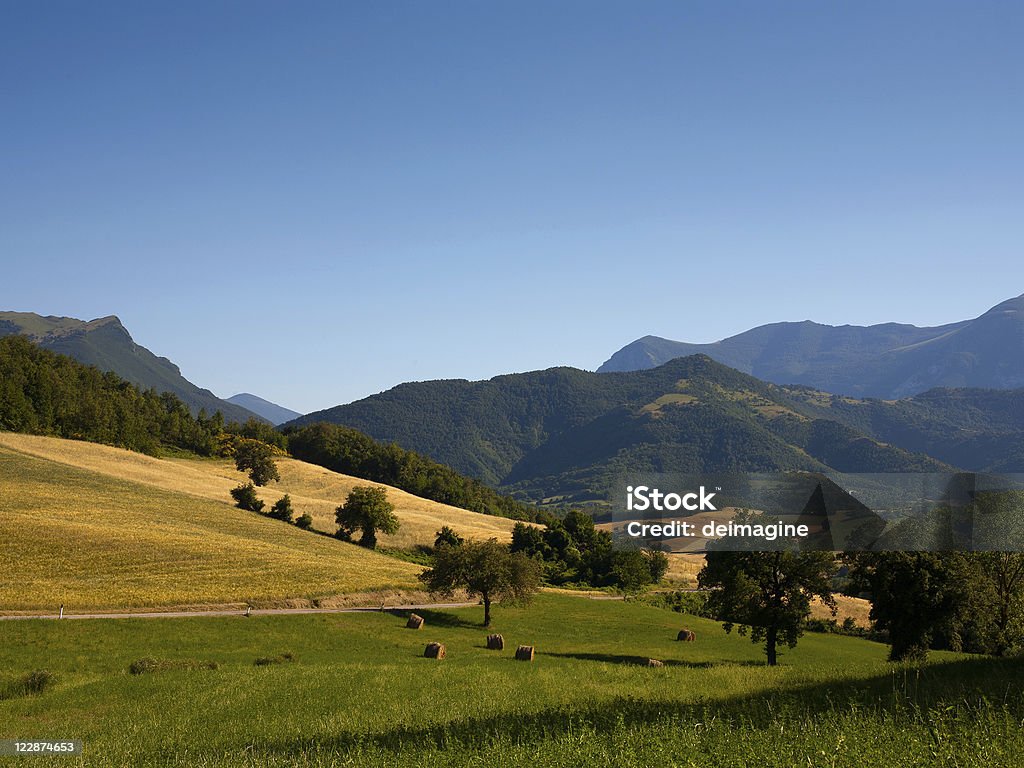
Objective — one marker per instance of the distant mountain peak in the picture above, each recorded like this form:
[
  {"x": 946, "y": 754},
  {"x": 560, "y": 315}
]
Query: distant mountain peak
[
  {"x": 272, "y": 412},
  {"x": 105, "y": 343}
]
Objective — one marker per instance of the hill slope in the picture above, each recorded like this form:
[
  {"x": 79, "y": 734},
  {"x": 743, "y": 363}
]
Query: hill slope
[
  {"x": 92, "y": 541},
  {"x": 883, "y": 361},
  {"x": 272, "y": 412},
  {"x": 312, "y": 489},
  {"x": 106, "y": 344},
  {"x": 569, "y": 433}
]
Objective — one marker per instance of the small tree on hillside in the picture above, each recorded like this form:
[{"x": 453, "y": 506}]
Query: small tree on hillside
[
  {"x": 245, "y": 498},
  {"x": 367, "y": 510},
  {"x": 282, "y": 509},
  {"x": 305, "y": 521},
  {"x": 486, "y": 569},
  {"x": 767, "y": 593},
  {"x": 256, "y": 458},
  {"x": 448, "y": 536}
]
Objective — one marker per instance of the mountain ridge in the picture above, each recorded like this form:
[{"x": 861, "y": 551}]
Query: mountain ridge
[
  {"x": 105, "y": 343},
  {"x": 886, "y": 360},
  {"x": 565, "y": 433},
  {"x": 272, "y": 412}
]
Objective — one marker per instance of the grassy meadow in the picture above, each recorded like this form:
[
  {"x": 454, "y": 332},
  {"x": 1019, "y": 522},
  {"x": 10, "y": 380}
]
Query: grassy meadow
[{"x": 358, "y": 692}]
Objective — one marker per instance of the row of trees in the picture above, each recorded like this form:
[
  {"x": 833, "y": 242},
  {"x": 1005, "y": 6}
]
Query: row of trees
[
  {"x": 345, "y": 450},
  {"x": 962, "y": 601}
]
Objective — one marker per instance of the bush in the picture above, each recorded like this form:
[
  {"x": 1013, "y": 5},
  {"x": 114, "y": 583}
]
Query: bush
[
  {"x": 305, "y": 521},
  {"x": 693, "y": 603},
  {"x": 29, "y": 685},
  {"x": 282, "y": 509},
  {"x": 245, "y": 498}
]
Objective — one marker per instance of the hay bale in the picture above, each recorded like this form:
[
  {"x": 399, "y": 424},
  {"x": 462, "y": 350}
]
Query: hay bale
[
  {"x": 524, "y": 653},
  {"x": 495, "y": 643},
  {"x": 434, "y": 651},
  {"x": 655, "y": 663},
  {"x": 686, "y": 635},
  {"x": 415, "y": 621}
]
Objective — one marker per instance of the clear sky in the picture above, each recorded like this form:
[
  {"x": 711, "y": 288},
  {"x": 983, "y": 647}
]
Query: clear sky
[{"x": 314, "y": 202}]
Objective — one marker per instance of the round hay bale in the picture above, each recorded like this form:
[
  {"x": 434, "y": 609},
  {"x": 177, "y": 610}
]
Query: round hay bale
[
  {"x": 655, "y": 663},
  {"x": 495, "y": 643},
  {"x": 524, "y": 653},
  {"x": 415, "y": 622},
  {"x": 434, "y": 651},
  {"x": 686, "y": 635}
]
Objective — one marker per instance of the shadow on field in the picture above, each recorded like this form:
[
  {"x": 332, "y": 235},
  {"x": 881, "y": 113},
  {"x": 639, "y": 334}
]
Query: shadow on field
[
  {"x": 614, "y": 658},
  {"x": 907, "y": 692}
]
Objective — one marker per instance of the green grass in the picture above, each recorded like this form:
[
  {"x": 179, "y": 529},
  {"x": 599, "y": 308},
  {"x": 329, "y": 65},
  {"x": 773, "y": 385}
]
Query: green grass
[{"x": 358, "y": 692}]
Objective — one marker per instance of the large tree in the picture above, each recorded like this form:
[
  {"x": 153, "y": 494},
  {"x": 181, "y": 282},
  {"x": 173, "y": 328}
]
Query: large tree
[
  {"x": 256, "y": 458},
  {"x": 767, "y": 593},
  {"x": 368, "y": 511},
  {"x": 920, "y": 598},
  {"x": 486, "y": 569}
]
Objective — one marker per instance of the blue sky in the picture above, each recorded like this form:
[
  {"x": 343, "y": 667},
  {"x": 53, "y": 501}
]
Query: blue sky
[{"x": 317, "y": 201}]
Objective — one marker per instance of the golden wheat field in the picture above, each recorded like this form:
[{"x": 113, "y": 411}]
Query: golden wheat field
[
  {"x": 97, "y": 528},
  {"x": 313, "y": 489}
]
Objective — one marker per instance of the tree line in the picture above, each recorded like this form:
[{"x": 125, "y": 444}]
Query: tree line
[{"x": 920, "y": 601}]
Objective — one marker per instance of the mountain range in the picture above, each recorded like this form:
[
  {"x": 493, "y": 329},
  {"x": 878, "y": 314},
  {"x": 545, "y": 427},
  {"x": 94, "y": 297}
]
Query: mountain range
[
  {"x": 565, "y": 435},
  {"x": 106, "y": 344},
  {"x": 883, "y": 361}
]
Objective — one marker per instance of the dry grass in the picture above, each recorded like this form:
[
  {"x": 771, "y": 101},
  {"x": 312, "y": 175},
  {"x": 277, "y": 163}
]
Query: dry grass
[
  {"x": 854, "y": 607},
  {"x": 92, "y": 541},
  {"x": 312, "y": 489}
]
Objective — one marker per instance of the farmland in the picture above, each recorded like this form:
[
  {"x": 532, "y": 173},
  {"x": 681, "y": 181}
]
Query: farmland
[{"x": 358, "y": 692}]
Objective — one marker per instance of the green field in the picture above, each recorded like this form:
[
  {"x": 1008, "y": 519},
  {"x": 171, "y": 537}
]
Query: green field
[{"x": 359, "y": 693}]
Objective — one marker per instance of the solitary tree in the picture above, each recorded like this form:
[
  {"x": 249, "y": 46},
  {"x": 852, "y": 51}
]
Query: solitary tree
[
  {"x": 245, "y": 498},
  {"x": 367, "y": 510},
  {"x": 282, "y": 509},
  {"x": 486, "y": 569},
  {"x": 256, "y": 458},
  {"x": 767, "y": 593}
]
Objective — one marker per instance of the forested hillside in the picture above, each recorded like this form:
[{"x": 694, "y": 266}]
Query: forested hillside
[{"x": 565, "y": 434}]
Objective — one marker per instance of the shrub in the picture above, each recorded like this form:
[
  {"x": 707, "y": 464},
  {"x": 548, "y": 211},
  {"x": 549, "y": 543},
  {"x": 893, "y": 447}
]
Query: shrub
[
  {"x": 282, "y": 509},
  {"x": 305, "y": 521},
  {"x": 245, "y": 498}
]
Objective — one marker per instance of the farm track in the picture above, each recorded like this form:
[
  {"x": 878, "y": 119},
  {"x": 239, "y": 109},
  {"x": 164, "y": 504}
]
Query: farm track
[{"x": 239, "y": 612}]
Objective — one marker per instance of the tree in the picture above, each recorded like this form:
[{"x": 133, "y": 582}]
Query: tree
[
  {"x": 631, "y": 570},
  {"x": 305, "y": 521},
  {"x": 368, "y": 510},
  {"x": 917, "y": 597},
  {"x": 448, "y": 537},
  {"x": 1006, "y": 572},
  {"x": 256, "y": 458},
  {"x": 768, "y": 593},
  {"x": 245, "y": 498},
  {"x": 282, "y": 509},
  {"x": 657, "y": 563},
  {"x": 486, "y": 569}
]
